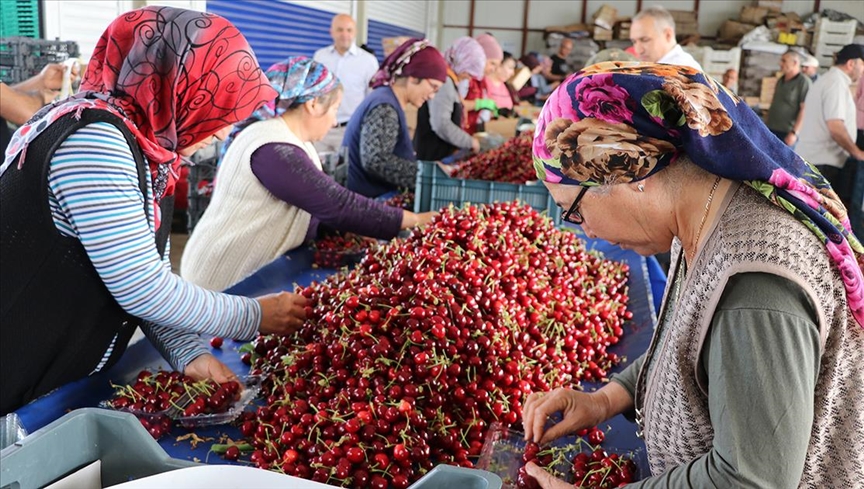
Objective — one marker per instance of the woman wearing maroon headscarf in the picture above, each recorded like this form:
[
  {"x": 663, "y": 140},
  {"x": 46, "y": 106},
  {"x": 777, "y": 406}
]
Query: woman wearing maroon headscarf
[
  {"x": 86, "y": 195},
  {"x": 381, "y": 157}
]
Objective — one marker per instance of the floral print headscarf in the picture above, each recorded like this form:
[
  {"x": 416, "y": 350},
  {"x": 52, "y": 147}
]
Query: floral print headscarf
[
  {"x": 297, "y": 80},
  {"x": 620, "y": 122}
]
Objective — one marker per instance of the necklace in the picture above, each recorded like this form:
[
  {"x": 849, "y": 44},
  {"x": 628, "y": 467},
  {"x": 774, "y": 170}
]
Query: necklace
[{"x": 704, "y": 216}]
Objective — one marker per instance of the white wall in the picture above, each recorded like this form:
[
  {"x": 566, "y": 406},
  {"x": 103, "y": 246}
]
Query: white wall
[
  {"x": 335, "y": 6},
  {"x": 200, "y": 5},
  {"x": 82, "y": 21},
  {"x": 410, "y": 14},
  {"x": 713, "y": 14}
]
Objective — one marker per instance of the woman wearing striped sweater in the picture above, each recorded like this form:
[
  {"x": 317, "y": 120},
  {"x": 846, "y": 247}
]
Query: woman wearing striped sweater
[{"x": 86, "y": 194}]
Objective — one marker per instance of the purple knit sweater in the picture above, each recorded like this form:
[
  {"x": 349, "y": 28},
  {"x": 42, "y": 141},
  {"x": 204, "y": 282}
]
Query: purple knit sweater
[{"x": 289, "y": 174}]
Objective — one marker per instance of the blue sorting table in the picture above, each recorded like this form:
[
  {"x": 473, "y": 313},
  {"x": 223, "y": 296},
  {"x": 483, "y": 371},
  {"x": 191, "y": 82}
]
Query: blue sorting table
[{"x": 646, "y": 286}]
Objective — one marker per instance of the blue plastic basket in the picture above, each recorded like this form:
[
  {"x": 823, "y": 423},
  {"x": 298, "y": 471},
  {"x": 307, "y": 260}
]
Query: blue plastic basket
[{"x": 436, "y": 190}]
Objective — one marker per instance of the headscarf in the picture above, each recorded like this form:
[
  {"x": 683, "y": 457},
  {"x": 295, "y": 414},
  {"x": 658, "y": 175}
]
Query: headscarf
[
  {"x": 297, "y": 80},
  {"x": 174, "y": 76},
  {"x": 466, "y": 55},
  {"x": 620, "y": 122},
  {"x": 530, "y": 61},
  {"x": 491, "y": 47},
  {"x": 416, "y": 58}
]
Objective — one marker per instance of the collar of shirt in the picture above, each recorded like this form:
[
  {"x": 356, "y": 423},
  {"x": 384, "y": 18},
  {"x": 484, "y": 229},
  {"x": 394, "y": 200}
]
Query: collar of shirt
[
  {"x": 352, "y": 50},
  {"x": 672, "y": 54}
]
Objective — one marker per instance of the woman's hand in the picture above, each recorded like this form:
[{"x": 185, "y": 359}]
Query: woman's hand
[
  {"x": 545, "y": 479},
  {"x": 282, "y": 313},
  {"x": 475, "y": 145},
  {"x": 580, "y": 410},
  {"x": 413, "y": 220},
  {"x": 207, "y": 366}
]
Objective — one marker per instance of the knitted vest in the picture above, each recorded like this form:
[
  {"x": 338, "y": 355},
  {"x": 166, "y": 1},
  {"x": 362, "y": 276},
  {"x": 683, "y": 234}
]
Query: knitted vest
[
  {"x": 80, "y": 328},
  {"x": 245, "y": 226},
  {"x": 673, "y": 399}
]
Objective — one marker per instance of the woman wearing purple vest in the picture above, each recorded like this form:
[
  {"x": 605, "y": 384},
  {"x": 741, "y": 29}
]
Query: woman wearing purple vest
[{"x": 381, "y": 157}]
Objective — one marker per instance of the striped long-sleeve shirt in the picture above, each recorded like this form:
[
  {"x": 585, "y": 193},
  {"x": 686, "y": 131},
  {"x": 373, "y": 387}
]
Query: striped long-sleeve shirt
[{"x": 94, "y": 196}]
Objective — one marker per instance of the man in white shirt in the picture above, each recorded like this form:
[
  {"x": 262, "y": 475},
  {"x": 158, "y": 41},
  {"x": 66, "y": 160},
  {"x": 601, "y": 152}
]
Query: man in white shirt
[
  {"x": 653, "y": 36},
  {"x": 354, "y": 67},
  {"x": 828, "y": 131}
]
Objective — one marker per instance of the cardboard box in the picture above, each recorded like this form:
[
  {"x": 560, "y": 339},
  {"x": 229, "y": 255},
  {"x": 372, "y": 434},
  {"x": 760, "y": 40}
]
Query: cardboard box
[
  {"x": 503, "y": 126},
  {"x": 766, "y": 95},
  {"x": 686, "y": 28},
  {"x": 753, "y": 15},
  {"x": 391, "y": 43},
  {"x": 732, "y": 30},
  {"x": 787, "y": 22},
  {"x": 527, "y": 111},
  {"x": 602, "y": 34},
  {"x": 568, "y": 29},
  {"x": 622, "y": 29},
  {"x": 520, "y": 78},
  {"x": 682, "y": 16},
  {"x": 605, "y": 16},
  {"x": 771, "y": 5}
]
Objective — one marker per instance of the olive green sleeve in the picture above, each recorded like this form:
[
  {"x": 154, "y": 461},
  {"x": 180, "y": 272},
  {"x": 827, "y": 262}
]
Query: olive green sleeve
[
  {"x": 761, "y": 359},
  {"x": 627, "y": 378}
]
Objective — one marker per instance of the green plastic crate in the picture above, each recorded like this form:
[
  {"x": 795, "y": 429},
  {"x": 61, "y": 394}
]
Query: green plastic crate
[
  {"x": 436, "y": 190},
  {"x": 19, "y": 18},
  {"x": 129, "y": 453},
  {"x": 83, "y": 436}
]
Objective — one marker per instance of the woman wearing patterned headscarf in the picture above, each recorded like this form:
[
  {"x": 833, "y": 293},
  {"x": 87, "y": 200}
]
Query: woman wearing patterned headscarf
[
  {"x": 272, "y": 194},
  {"x": 439, "y": 130},
  {"x": 479, "y": 107},
  {"x": 753, "y": 377},
  {"x": 86, "y": 195},
  {"x": 381, "y": 158}
]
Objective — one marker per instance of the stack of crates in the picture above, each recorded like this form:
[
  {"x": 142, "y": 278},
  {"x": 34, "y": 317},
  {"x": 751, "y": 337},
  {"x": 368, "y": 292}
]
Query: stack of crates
[
  {"x": 829, "y": 37},
  {"x": 23, "y": 57},
  {"x": 19, "y": 18},
  {"x": 715, "y": 62}
]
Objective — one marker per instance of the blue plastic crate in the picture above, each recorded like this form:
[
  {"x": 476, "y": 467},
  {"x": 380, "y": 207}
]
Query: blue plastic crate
[{"x": 436, "y": 190}]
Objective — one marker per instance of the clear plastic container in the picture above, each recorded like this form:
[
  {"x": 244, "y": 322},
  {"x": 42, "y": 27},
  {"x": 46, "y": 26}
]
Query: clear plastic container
[
  {"x": 503, "y": 450},
  {"x": 11, "y": 430},
  {"x": 251, "y": 389}
]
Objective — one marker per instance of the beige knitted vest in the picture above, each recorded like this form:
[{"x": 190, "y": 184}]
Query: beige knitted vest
[
  {"x": 673, "y": 400},
  {"x": 245, "y": 226}
]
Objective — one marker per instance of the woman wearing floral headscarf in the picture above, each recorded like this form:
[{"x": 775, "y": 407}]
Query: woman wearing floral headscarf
[
  {"x": 381, "y": 158},
  {"x": 754, "y": 375},
  {"x": 439, "y": 130},
  {"x": 84, "y": 193},
  {"x": 272, "y": 195}
]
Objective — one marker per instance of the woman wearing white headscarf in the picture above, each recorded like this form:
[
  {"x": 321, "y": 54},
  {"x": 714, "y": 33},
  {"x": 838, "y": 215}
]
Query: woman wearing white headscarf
[{"x": 440, "y": 121}]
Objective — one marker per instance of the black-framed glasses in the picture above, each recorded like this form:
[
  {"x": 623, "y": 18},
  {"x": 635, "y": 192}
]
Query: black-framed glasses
[{"x": 572, "y": 214}]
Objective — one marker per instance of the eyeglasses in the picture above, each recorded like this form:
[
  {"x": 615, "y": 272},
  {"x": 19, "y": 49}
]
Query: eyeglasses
[{"x": 573, "y": 215}]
